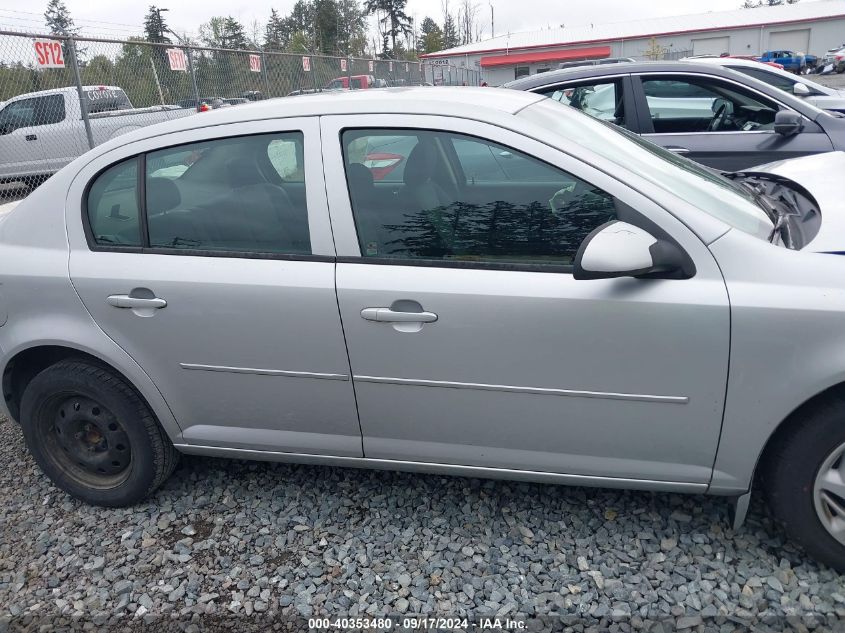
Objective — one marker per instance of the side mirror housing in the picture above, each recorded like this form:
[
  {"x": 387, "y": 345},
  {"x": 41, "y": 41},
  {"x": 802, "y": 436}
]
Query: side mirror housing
[
  {"x": 801, "y": 90},
  {"x": 620, "y": 249},
  {"x": 788, "y": 123}
]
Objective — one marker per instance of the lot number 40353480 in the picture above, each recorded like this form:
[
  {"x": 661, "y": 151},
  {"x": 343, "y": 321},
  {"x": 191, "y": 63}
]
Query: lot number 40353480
[{"x": 49, "y": 54}]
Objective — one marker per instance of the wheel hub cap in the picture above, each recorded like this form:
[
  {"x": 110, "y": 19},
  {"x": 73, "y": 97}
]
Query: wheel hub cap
[
  {"x": 91, "y": 436},
  {"x": 829, "y": 494}
]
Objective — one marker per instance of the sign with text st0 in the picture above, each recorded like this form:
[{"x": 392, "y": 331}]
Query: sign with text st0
[
  {"x": 177, "y": 58},
  {"x": 49, "y": 54},
  {"x": 255, "y": 63}
]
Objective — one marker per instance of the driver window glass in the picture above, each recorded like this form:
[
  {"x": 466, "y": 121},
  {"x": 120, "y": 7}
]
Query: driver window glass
[
  {"x": 603, "y": 101},
  {"x": 464, "y": 199},
  {"x": 33, "y": 112},
  {"x": 682, "y": 106}
]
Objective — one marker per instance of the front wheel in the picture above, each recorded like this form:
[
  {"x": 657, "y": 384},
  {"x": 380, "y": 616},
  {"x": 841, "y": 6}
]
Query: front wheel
[
  {"x": 93, "y": 436},
  {"x": 804, "y": 477}
]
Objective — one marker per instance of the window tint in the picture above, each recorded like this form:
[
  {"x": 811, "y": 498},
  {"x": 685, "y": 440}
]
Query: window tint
[
  {"x": 106, "y": 100},
  {"x": 465, "y": 199},
  {"x": 244, "y": 194},
  {"x": 602, "y": 100},
  {"x": 33, "y": 112},
  {"x": 700, "y": 104},
  {"x": 113, "y": 206}
]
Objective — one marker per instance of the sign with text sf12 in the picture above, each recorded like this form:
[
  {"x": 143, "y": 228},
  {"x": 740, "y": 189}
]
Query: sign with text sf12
[
  {"x": 255, "y": 63},
  {"x": 177, "y": 59},
  {"x": 49, "y": 53},
  {"x": 306, "y": 64}
]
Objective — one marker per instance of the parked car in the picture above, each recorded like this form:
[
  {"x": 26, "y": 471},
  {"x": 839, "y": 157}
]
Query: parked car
[
  {"x": 596, "y": 62},
  {"x": 798, "y": 63},
  {"x": 711, "y": 114},
  {"x": 820, "y": 96},
  {"x": 834, "y": 60},
  {"x": 610, "y": 314},
  {"x": 358, "y": 82},
  {"x": 41, "y": 132}
]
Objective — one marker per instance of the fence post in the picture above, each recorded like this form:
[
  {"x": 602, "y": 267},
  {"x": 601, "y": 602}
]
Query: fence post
[
  {"x": 71, "y": 47},
  {"x": 349, "y": 62},
  {"x": 264, "y": 71},
  {"x": 193, "y": 76}
]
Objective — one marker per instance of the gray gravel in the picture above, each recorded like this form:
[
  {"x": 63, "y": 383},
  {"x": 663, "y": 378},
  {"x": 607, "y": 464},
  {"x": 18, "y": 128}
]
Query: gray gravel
[{"x": 262, "y": 543}]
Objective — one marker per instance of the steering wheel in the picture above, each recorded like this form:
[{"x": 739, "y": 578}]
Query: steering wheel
[{"x": 719, "y": 119}]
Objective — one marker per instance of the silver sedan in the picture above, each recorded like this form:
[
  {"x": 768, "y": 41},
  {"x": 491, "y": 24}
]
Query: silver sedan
[{"x": 464, "y": 281}]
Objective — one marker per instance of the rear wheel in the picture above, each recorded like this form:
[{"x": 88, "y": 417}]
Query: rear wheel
[
  {"x": 93, "y": 436},
  {"x": 804, "y": 476}
]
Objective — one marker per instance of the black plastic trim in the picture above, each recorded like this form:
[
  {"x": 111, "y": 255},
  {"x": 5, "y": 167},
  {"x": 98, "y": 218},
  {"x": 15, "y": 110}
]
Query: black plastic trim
[{"x": 439, "y": 263}]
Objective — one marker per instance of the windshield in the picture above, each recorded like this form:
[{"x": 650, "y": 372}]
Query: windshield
[{"x": 702, "y": 187}]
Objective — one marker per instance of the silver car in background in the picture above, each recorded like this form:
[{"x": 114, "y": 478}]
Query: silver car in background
[{"x": 462, "y": 281}]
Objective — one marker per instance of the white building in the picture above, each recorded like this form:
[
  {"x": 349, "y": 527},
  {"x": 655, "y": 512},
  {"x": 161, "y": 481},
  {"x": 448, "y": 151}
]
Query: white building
[{"x": 809, "y": 27}]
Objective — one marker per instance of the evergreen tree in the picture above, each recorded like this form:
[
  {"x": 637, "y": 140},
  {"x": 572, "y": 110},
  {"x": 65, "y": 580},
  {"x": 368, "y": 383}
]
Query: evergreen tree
[
  {"x": 274, "y": 33},
  {"x": 234, "y": 34},
  {"x": 58, "y": 19},
  {"x": 431, "y": 39},
  {"x": 155, "y": 28},
  {"x": 393, "y": 17},
  {"x": 450, "y": 32}
]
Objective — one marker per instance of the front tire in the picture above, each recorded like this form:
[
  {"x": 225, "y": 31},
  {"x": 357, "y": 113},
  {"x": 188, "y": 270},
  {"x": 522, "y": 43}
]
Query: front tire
[
  {"x": 804, "y": 478},
  {"x": 93, "y": 435}
]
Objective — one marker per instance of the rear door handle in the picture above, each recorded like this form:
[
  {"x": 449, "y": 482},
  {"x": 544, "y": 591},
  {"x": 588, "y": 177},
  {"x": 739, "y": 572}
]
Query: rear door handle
[
  {"x": 386, "y": 315},
  {"x": 677, "y": 150},
  {"x": 125, "y": 301},
  {"x": 31, "y": 137}
]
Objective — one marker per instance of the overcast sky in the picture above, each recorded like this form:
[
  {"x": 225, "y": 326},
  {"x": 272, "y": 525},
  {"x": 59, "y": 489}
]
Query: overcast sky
[{"x": 120, "y": 18}]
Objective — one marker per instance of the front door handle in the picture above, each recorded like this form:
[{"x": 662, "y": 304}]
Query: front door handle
[
  {"x": 386, "y": 315},
  {"x": 126, "y": 301},
  {"x": 31, "y": 137}
]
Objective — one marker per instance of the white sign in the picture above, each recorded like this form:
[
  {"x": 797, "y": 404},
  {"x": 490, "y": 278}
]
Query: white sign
[
  {"x": 371, "y": 64},
  {"x": 407, "y": 68},
  {"x": 177, "y": 59},
  {"x": 343, "y": 66},
  {"x": 306, "y": 64},
  {"x": 255, "y": 63},
  {"x": 440, "y": 62},
  {"x": 390, "y": 66},
  {"x": 49, "y": 54}
]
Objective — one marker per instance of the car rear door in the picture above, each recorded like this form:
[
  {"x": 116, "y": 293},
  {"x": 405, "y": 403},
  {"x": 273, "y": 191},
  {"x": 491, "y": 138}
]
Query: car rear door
[
  {"x": 681, "y": 112},
  {"x": 225, "y": 294},
  {"x": 469, "y": 340}
]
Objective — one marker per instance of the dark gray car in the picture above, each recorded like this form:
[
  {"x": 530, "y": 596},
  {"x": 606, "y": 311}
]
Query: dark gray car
[{"x": 711, "y": 114}]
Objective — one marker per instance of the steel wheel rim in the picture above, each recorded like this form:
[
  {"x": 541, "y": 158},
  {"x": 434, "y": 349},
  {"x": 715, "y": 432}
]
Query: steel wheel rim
[
  {"x": 86, "y": 441},
  {"x": 829, "y": 493}
]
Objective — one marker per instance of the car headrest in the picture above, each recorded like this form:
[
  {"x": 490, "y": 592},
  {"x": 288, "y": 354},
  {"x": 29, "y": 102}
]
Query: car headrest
[
  {"x": 162, "y": 195},
  {"x": 420, "y": 165},
  {"x": 241, "y": 173},
  {"x": 359, "y": 176}
]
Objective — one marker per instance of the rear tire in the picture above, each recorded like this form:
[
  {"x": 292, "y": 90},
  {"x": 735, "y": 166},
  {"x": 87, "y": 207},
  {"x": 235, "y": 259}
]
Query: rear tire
[
  {"x": 93, "y": 435},
  {"x": 801, "y": 476}
]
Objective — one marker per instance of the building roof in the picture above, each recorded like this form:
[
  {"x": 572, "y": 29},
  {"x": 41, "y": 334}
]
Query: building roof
[{"x": 652, "y": 27}]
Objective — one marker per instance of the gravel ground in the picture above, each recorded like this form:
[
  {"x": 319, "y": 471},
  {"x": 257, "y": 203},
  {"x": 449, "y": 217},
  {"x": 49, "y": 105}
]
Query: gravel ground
[
  {"x": 252, "y": 544},
  {"x": 835, "y": 80}
]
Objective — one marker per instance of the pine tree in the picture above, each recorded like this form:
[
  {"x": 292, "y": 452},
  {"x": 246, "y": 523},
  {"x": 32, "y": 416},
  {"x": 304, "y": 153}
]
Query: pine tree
[
  {"x": 155, "y": 27},
  {"x": 393, "y": 17},
  {"x": 274, "y": 33},
  {"x": 450, "y": 32},
  {"x": 234, "y": 34},
  {"x": 432, "y": 36},
  {"x": 58, "y": 19}
]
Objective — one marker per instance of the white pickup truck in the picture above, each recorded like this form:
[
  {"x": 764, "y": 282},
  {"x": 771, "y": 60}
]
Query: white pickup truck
[{"x": 41, "y": 132}]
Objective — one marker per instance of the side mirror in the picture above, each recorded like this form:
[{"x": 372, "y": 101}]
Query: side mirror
[
  {"x": 619, "y": 249},
  {"x": 801, "y": 90},
  {"x": 788, "y": 123}
]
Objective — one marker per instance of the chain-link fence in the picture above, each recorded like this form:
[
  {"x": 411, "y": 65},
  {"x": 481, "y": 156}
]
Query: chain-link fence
[{"x": 64, "y": 95}]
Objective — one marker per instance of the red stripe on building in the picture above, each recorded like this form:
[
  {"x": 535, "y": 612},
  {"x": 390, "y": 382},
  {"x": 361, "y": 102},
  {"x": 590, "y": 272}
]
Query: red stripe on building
[{"x": 596, "y": 52}]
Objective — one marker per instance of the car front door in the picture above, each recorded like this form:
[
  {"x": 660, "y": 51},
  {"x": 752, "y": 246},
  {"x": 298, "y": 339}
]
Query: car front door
[
  {"x": 718, "y": 122},
  {"x": 30, "y": 131},
  {"x": 469, "y": 340},
  {"x": 225, "y": 294}
]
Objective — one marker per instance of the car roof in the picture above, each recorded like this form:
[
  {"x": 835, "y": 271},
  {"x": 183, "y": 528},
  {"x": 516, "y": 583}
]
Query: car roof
[
  {"x": 564, "y": 74},
  {"x": 466, "y": 101}
]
